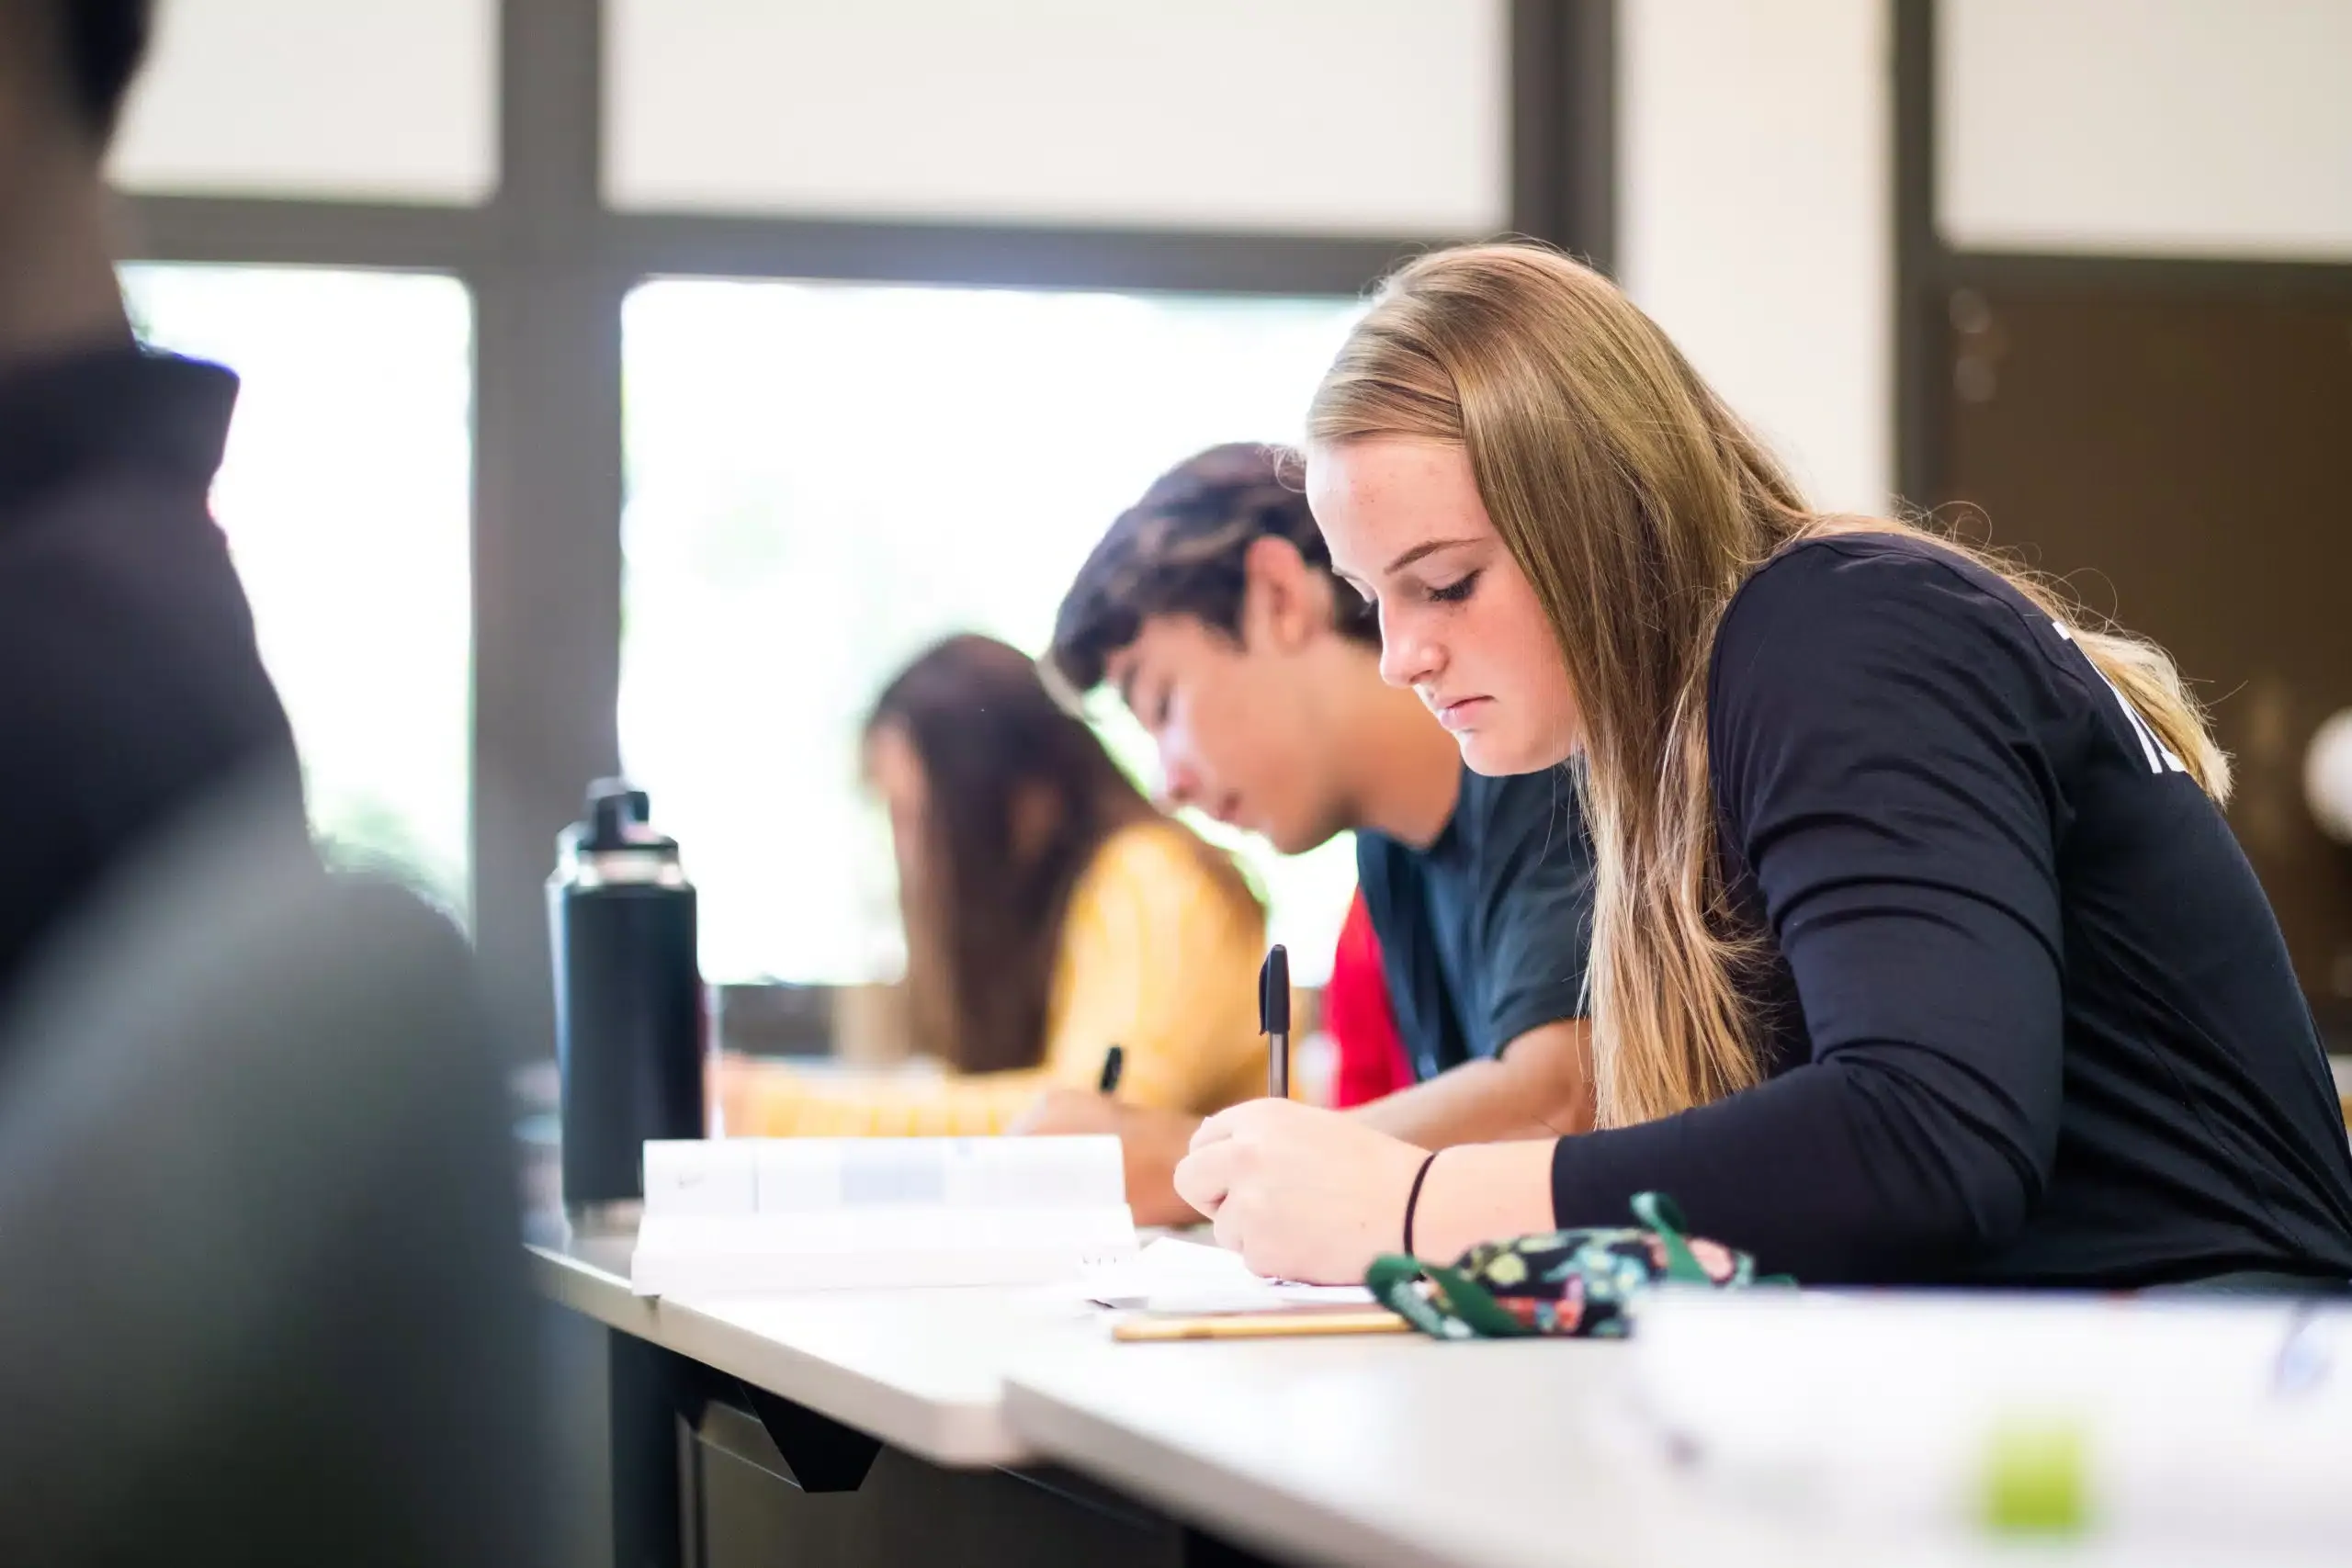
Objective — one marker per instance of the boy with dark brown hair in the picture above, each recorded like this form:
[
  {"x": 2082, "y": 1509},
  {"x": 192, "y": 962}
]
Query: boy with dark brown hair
[{"x": 1210, "y": 605}]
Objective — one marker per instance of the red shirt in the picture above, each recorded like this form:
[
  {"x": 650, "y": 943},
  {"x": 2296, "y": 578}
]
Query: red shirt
[{"x": 1372, "y": 1061}]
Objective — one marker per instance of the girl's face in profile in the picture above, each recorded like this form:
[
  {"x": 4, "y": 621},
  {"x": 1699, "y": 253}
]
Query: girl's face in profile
[{"x": 1459, "y": 622}]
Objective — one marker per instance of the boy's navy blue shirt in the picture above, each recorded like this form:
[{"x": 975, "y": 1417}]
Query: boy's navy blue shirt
[{"x": 1484, "y": 934}]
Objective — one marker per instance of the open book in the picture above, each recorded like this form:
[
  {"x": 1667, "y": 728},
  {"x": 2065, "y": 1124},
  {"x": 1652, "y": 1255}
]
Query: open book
[{"x": 753, "y": 1214}]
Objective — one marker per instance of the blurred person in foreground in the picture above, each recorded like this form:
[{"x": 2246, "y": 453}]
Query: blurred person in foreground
[
  {"x": 134, "y": 691},
  {"x": 253, "y": 1190},
  {"x": 1050, "y": 913},
  {"x": 1211, "y": 607}
]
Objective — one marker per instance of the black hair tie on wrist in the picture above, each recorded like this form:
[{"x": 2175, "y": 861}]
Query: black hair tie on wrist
[{"x": 1413, "y": 1201}]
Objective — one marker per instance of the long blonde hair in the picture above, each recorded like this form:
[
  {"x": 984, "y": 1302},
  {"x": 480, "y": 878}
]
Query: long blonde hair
[{"x": 1637, "y": 505}]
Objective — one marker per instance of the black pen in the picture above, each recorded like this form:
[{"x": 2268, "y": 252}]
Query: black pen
[
  {"x": 1273, "y": 1020},
  {"x": 1114, "y": 1062}
]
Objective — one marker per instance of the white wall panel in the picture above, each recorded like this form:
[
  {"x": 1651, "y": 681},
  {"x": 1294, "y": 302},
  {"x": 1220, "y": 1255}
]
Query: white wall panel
[
  {"x": 2190, "y": 128},
  {"x": 1381, "y": 117},
  {"x": 362, "y": 99}
]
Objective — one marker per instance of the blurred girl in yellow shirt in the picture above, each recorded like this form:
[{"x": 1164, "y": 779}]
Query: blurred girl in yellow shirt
[{"x": 1050, "y": 912}]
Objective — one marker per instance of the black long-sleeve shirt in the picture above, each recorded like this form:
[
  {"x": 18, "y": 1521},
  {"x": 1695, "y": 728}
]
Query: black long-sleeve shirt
[
  {"x": 131, "y": 690},
  {"x": 2030, "y": 1016}
]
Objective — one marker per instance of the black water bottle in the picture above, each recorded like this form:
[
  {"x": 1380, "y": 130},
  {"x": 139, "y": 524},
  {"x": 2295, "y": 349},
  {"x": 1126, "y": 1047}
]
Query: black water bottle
[{"x": 628, "y": 1003}]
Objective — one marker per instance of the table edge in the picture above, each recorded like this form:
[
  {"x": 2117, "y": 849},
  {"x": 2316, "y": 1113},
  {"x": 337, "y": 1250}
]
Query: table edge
[{"x": 954, "y": 1434}]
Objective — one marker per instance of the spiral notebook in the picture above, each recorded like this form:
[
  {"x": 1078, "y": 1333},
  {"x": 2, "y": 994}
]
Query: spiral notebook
[{"x": 746, "y": 1215}]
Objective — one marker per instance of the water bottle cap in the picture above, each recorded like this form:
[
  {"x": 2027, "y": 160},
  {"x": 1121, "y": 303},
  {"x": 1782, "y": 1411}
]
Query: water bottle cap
[
  {"x": 616, "y": 820},
  {"x": 637, "y": 805}
]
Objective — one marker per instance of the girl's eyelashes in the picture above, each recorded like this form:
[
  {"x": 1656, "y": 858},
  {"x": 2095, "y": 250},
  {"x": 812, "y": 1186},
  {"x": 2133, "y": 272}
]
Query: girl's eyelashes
[{"x": 1460, "y": 589}]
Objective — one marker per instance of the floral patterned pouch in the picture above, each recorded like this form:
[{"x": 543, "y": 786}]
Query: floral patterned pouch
[{"x": 1575, "y": 1282}]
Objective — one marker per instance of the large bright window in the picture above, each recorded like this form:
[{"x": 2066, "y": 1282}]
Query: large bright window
[
  {"x": 823, "y": 478},
  {"x": 346, "y": 499}
]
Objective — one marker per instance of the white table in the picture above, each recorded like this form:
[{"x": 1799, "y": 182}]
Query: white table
[
  {"x": 1424, "y": 1455},
  {"x": 1375, "y": 1450},
  {"x": 921, "y": 1371},
  {"x": 1388, "y": 1449},
  {"x": 1349, "y": 1450}
]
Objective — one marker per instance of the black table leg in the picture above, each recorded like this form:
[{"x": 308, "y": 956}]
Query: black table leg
[{"x": 648, "y": 1394}]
